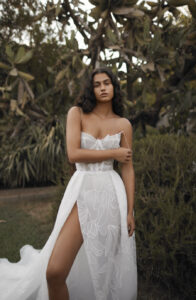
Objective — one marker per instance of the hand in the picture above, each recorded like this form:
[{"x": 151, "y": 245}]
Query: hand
[
  {"x": 130, "y": 224},
  {"x": 123, "y": 155}
]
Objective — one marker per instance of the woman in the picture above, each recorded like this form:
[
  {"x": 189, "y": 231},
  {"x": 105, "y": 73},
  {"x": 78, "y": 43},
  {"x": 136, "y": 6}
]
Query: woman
[{"x": 90, "y": 253}]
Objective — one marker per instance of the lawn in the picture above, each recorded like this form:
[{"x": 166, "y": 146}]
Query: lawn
[{"x": 23, "y": 222}]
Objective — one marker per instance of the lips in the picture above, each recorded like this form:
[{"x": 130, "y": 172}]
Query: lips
[{"x": 103, "y": 95}]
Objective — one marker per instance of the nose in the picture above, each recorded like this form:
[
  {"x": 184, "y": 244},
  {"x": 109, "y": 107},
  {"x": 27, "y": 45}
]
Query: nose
[{"x": 102, "y": 87}]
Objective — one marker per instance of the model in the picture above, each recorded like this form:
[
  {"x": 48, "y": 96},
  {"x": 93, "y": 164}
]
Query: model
[{"x": 90, "y": 254}]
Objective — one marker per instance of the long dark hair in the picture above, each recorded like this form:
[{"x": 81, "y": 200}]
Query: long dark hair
[{"x": 87, "y": 100}]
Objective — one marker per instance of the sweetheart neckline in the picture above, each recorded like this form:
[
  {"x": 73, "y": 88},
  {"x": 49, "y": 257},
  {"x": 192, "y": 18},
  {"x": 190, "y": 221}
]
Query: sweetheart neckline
[{"x": 84, "y": 132}]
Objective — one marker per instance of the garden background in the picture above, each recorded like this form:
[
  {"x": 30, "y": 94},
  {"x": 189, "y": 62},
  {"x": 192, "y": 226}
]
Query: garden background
[{"x": 47, "y": 48}]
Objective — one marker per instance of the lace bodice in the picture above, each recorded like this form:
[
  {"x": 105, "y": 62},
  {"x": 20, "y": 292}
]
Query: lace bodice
[{"x": 90, "y": 142}]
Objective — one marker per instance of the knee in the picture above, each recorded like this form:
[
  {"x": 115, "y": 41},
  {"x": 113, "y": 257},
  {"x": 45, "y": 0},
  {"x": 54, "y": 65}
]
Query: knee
[{"x": 54, "y": 275}]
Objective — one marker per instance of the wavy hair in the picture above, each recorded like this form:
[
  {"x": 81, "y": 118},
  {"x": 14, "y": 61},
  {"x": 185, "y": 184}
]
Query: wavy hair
[{"x": 87, "y": 99}]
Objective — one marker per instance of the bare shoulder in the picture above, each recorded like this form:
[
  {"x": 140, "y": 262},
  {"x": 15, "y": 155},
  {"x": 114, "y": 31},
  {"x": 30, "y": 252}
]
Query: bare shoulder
[
  {"x": 125, "y": 124},
  {"x": 74, "y": 110},
  {"x": 74, "y": 114}
]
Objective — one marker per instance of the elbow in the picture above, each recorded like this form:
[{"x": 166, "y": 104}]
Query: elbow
[{"x": 72, "y": 157}]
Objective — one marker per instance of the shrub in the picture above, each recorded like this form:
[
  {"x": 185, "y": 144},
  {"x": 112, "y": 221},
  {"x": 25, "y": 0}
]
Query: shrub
[{"x": 165, "y": 169}]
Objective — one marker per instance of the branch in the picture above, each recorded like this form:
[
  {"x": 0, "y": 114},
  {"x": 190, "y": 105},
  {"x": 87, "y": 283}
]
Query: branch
[
  {"x": 95, "y": 44},
  {"x": 75, "y": 19}
]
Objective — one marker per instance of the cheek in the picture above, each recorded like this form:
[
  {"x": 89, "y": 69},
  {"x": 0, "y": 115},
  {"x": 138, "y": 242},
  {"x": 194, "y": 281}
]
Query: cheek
[
  {"x": 95, "y": 92},
  {"x": 112, "y": 90}
]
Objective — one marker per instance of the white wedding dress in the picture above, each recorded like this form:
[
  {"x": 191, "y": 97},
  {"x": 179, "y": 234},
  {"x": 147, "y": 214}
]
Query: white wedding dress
[{"x": 105, "y": 266}]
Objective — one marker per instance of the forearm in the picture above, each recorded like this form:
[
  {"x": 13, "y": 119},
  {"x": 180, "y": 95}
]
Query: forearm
[
  {"x": 90, "y": 155},
  {"x": 128, "y": 177}
]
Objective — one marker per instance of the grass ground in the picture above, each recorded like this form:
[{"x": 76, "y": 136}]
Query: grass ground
[
  {"x": 31, "y": 222},
  {"x": 23, "y": 223}
]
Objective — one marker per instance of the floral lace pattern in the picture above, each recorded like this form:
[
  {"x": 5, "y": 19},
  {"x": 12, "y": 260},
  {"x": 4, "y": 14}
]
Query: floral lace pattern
[{"x": 106, "y": 241}]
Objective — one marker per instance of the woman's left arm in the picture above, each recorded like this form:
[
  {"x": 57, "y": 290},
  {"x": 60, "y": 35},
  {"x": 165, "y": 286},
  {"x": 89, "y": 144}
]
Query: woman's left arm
[{"x": 128, "y": 175}]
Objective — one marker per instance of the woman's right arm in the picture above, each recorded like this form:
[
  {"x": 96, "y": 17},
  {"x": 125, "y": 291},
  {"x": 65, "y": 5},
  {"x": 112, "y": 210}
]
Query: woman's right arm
[{"x": 74, "y": 151}]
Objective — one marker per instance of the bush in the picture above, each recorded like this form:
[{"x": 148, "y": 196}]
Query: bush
[
  {"x": 165, "y": 169},
  {"x": 38, "y": 158}
]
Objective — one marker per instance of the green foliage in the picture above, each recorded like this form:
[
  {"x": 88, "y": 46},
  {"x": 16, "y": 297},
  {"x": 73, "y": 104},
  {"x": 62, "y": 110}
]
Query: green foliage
[
  {"x": 153, "y": 45},
  {"x": 165, "y": 168},
  {"x": 38, "y": 158}
]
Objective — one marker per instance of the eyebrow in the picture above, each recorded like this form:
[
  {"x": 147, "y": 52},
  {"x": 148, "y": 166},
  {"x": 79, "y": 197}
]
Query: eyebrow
[{"x": 108, "y": 79}]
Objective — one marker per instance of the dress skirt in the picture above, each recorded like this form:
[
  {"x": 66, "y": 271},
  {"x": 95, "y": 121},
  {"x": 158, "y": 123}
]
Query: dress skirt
[{"x": 105, "y": 266}]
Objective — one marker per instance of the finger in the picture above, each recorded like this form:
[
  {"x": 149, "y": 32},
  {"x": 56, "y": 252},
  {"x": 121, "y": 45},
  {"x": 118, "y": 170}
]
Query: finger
[{"x": 131, "y": 230}]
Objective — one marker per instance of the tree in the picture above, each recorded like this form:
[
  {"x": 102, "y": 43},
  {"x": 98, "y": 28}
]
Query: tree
[{"x": 150, "y": 45}]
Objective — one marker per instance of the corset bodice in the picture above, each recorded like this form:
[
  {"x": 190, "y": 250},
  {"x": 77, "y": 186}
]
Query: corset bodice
[{"x": 90, "y": 142}]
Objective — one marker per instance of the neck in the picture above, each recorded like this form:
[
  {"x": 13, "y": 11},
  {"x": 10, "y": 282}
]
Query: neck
[{"x": 103, "y": 109}]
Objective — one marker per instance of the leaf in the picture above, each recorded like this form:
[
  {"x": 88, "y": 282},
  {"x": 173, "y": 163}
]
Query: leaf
[
  {"x": 74, "y": 42},
  {"x": 114, "y": 47},
  {"x": 13, "y": 72},
  {"x": 26, "y": 170},
  {"x": 5, "y": 88},
  {"x": 25, "y": 58},
  {"x": 29, "y": 90},
  {"x": 60, "y": 75},
  {"x": 95, "y": 12},
  {"x": 104, "y": 14},
  {"x": 146, "y": 26},
  {"x": 140, "y": 41},
  {"x": 13, "y": 105},
  {"x": 111, "y": 35},
  {"x": 131, "y": 11},
  {"x": 24, "y": 100},
  {"x": 20, "y": 54},
  {"x": 152, "y": 4},
  {"x": 77, "y": 62},
  {"x": 161, "y": 73},
  {"x": 20, "y": 92},
  {"x": 58, "y": 8},
  {"x": 9, "y": 52},
  {"x": 26, "y": 76},
  {"x": 4, "y": 66}
]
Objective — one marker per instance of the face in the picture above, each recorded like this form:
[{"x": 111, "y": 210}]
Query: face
[{"x": 103, "y": 87}]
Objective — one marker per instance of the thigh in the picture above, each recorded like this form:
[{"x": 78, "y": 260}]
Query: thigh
[{"x": 67, "y": 245}]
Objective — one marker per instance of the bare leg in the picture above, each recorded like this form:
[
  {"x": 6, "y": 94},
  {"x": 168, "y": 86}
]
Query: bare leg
[{"x": 65, "y": 250}]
